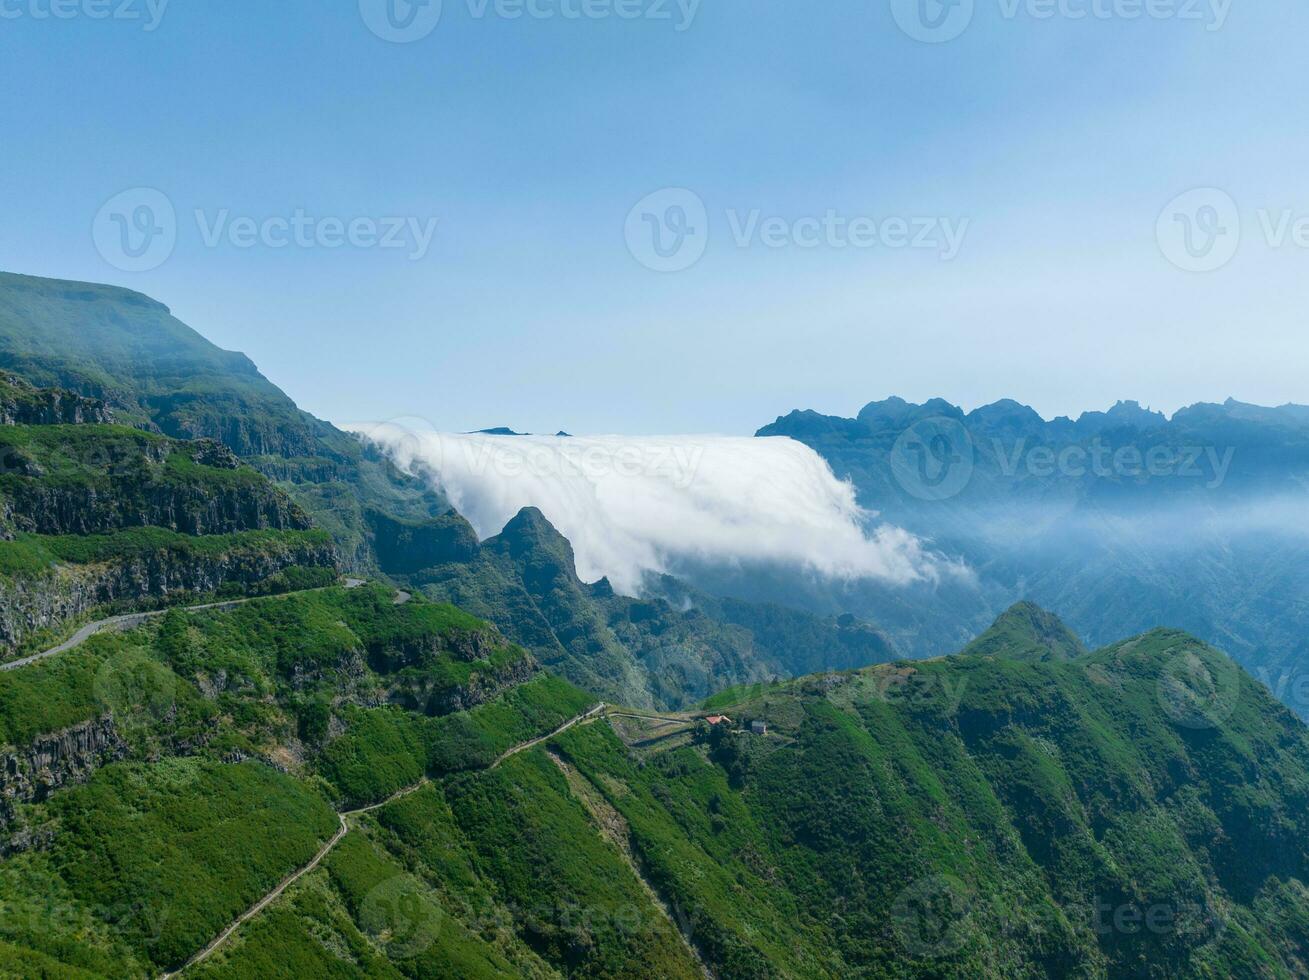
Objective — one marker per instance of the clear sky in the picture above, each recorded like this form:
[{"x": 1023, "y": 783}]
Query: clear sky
[{"x": 1037, "y": 153}]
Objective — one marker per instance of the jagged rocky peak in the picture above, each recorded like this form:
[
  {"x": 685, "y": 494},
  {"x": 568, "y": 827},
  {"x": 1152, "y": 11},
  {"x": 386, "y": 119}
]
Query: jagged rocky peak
[
  {"x": 530, "y": 532},
  {"x": 1124, "y": 414},
  {"x": 1008, "y": 416}
]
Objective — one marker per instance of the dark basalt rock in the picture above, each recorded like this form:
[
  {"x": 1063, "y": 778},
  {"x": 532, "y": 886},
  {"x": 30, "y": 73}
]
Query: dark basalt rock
[
  {"x": 22, "y": 403},
  {"x": 53, "y": 761},
  {"x": 30, "y": 605}
]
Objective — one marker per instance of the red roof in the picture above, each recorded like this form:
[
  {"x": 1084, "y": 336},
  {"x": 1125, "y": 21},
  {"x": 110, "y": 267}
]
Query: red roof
[{"x": 717, "y": 719}]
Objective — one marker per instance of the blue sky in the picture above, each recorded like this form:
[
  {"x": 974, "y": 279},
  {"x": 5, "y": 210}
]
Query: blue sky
[{"x": 1053, "y": 143}]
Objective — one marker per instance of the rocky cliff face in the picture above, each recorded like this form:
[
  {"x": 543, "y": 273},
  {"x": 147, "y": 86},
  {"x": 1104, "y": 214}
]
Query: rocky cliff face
[
  {"x": 22, "y": 403},
  {"x": 406, "y": 547},
  {"x": 30, "y": 605},
  {"x": 52, "y": 761},
  {"x": 40, "y": 508},
  {"x": 90, "y": 480},
  {"x": 482, "y": 686},
  {"x": 486, "y": 683}
]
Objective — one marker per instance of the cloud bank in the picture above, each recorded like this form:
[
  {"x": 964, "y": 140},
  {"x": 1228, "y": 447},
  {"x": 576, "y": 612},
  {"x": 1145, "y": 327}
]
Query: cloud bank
[{"x": 636, "y": 505}]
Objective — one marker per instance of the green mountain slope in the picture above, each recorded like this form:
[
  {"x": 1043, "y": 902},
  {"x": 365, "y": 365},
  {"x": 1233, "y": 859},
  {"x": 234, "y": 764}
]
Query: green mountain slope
[
  {"x": 97, "y": 517},
  {"x": 1120, "y": 521},
  {"x": 124, "y": 354},
  {"x": 151, "y": 370},
  {"x": 1027, "y": 632},
  {"x": 155, "y": 783},
  {"x": 670, "y": 649},
  {"x": 1138, "y": 811}
]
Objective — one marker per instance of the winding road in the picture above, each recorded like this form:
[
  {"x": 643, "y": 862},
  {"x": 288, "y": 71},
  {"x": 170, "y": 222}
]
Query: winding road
[
  {"x": 587, "y": 716},
  {"x": 132, "y": 620}
]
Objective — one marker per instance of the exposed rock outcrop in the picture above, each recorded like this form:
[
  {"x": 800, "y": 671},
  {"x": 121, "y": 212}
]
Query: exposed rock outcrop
[
  {"x": 22, "y": 403},
  {"x": 28, "y": 605},
  {"x": 486, "y": 682},
  {"x": 56, "y": 760}
]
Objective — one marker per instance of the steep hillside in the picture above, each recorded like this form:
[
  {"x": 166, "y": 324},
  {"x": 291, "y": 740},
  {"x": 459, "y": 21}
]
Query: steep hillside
[
  {"x": 1027, "y": 632},
  {"x": 123, "y": 357},
  {"x": 1140, "y": 811},
  {"x": 669, "y": 649},
  {"x": 155, "y": 783},
  {"x": 128, "y": 353},
  {"x": 96, "y": 517}
]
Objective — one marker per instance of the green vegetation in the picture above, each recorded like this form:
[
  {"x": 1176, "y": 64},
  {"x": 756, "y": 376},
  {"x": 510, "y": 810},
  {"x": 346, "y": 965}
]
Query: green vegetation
[
  {"x": 1027, "y": 632},
  {"x": 29, "y": 555},
  {"x": 985, "y": 816},
  {"x": 154, "y": 860},
  {"x": 139, "y": 867},
  {"x": 576, "y": 903},
  {"x": 379, "y": 754},
  {"x": 1026, "y": 809},
  {"x": 668, "y": 650},
  {"x": 475, "y": 739},
  {"x": 153, "y": 371}
]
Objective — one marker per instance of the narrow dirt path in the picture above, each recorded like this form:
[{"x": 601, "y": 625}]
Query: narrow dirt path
[
  {"x": 289, "y": 880},
  {"x": 579, "y": 720}
]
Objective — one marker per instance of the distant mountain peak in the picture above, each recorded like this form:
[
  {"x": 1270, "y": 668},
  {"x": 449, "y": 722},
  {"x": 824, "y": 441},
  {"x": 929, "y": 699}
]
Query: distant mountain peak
[
  {"x": 1122, "y": 414},
  {"x": 1025, "y": 631},
  {"x": 896, "y": 411}
]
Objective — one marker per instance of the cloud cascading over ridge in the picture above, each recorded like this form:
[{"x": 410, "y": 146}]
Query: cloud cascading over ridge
[{"x": 636, "y": 505}]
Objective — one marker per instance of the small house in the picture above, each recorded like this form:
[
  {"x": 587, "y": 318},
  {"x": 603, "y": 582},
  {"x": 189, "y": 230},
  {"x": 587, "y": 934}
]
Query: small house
[
  {"x": 719, "y": 720},
  {"x": 759, "y": 727}
]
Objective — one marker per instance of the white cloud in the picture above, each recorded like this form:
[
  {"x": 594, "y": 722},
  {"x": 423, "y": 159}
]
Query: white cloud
[{"x": 633, "y": 505}]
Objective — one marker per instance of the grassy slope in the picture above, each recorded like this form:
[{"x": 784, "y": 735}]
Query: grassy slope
[
  {"x": 987, "y": 817},
  {"x": 155, "y": 371},
  {"x": 141, "y": 866},
  {"x": 970, "y": 816}
]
